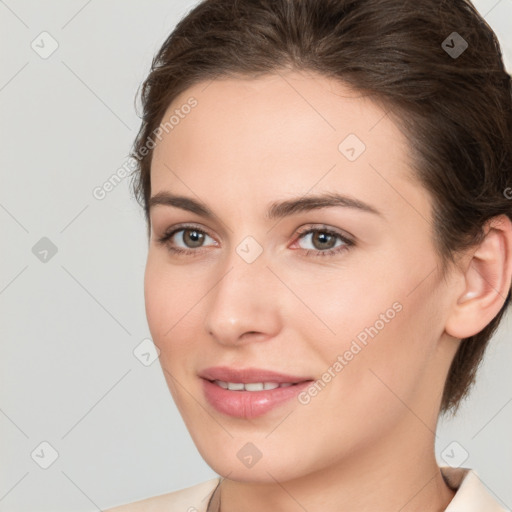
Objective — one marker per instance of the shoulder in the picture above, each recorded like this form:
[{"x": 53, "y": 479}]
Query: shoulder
[{"x": 189, "y": 499}]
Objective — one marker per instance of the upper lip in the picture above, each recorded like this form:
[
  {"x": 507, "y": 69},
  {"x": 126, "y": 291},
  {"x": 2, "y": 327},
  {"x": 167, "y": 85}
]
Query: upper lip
[{"x": 247, "y": 375}]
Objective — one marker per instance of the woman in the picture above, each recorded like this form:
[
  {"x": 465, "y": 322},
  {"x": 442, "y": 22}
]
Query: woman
[{"x": 330, "y": 246}]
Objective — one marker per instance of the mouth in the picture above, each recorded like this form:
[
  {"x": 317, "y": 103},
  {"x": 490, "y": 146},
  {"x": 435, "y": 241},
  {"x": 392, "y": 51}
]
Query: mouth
[{"x": 249, "y": 393}]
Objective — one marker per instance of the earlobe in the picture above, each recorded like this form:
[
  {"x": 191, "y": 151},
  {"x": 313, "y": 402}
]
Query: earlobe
[{"x": 487, "y": 281}]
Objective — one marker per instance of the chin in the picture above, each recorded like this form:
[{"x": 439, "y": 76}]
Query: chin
[{"x": 232, "y": 460}]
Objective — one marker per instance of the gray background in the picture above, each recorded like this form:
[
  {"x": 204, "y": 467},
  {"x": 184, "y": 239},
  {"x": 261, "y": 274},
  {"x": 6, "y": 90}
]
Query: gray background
[{"x": 69, "y": 325}]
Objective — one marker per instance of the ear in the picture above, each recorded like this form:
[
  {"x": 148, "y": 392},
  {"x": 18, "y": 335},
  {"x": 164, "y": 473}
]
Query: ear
[{"x": 486, "y": 281}]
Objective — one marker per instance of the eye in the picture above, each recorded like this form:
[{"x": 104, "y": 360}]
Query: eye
[
  {"x": 190, "y": 240},
  {"x": 190, "y": 237},
  {"x": 324, "y": 241}
]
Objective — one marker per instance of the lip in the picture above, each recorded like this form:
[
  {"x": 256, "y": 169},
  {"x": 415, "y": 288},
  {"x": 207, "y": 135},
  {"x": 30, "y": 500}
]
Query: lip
[{"x": 249, "y": 404}]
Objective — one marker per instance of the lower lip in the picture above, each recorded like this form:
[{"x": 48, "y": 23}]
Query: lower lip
[{"x": 249, "y": 404}]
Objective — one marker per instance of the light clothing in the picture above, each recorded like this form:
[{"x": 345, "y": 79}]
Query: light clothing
[{"x": 471, "y": 496}]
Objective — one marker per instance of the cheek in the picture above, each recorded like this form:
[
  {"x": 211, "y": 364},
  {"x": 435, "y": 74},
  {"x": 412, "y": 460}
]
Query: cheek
[
  {"x": 170, "y": 294},
  {"x": 165, "y": 305},
  {"x": 379, "y": 336},
  {"x": 175, "y": 318},
  {"x": 156, "y": 300},
  {"x": 388, "y": 368},
  {"x": 333, "y": 305},
  {"x": 371, "y": 381}
]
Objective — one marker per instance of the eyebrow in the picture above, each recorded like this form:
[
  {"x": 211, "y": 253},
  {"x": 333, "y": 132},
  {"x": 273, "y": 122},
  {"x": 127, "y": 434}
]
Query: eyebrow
[{"x": 276, "y": 210}]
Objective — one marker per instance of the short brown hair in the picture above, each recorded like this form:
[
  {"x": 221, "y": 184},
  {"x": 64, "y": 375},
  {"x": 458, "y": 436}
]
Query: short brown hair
[{"x": 454, "y": 108}]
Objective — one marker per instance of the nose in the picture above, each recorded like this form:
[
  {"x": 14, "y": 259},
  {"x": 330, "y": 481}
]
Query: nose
[{"x": 244, "y": 305}]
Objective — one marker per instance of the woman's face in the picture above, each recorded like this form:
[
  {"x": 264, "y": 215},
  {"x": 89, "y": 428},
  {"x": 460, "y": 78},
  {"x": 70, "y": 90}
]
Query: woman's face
[{"x": 345, "y": 295}]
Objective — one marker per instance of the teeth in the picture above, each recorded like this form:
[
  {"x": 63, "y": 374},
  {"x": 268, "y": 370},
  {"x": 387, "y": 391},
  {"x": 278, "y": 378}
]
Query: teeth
[
  {"x": 235, "y": 386},
  {"x": 251, "y": 386},
  {"x": 257, "y": 386}
]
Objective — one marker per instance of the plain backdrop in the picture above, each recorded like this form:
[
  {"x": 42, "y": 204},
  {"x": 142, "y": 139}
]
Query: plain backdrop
[{"x": 75, "y": 394}]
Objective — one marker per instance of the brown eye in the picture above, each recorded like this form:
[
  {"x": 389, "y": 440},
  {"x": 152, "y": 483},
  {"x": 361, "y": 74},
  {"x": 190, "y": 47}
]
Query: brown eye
[
  {"x": 323, "y": 240},
  {"x": 185, "y": 240},
  {"x": 192, "y": 237}
]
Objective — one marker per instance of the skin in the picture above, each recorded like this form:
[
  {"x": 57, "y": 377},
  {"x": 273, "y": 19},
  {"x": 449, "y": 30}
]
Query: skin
[{"x": 366, "y": 441}]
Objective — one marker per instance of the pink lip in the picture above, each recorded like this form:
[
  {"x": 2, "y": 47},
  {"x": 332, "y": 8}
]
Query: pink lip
[{"x": 249, "y": 404}]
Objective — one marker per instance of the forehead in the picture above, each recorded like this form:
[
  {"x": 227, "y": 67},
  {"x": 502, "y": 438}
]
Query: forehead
[{"x": 283, "y": 135}]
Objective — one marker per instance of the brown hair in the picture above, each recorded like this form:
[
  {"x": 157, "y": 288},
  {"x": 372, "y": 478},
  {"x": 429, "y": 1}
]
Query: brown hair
[{"x": 455, "y": 108}]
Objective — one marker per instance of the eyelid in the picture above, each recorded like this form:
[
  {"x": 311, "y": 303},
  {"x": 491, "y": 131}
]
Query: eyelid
[
  {"x": 349, "y": 239},
  {"x": 186, "y": 225}
]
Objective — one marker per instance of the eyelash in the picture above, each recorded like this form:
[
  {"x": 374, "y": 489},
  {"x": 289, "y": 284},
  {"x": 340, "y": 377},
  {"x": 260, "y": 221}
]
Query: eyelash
[{"x": 164, "y": 240}]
